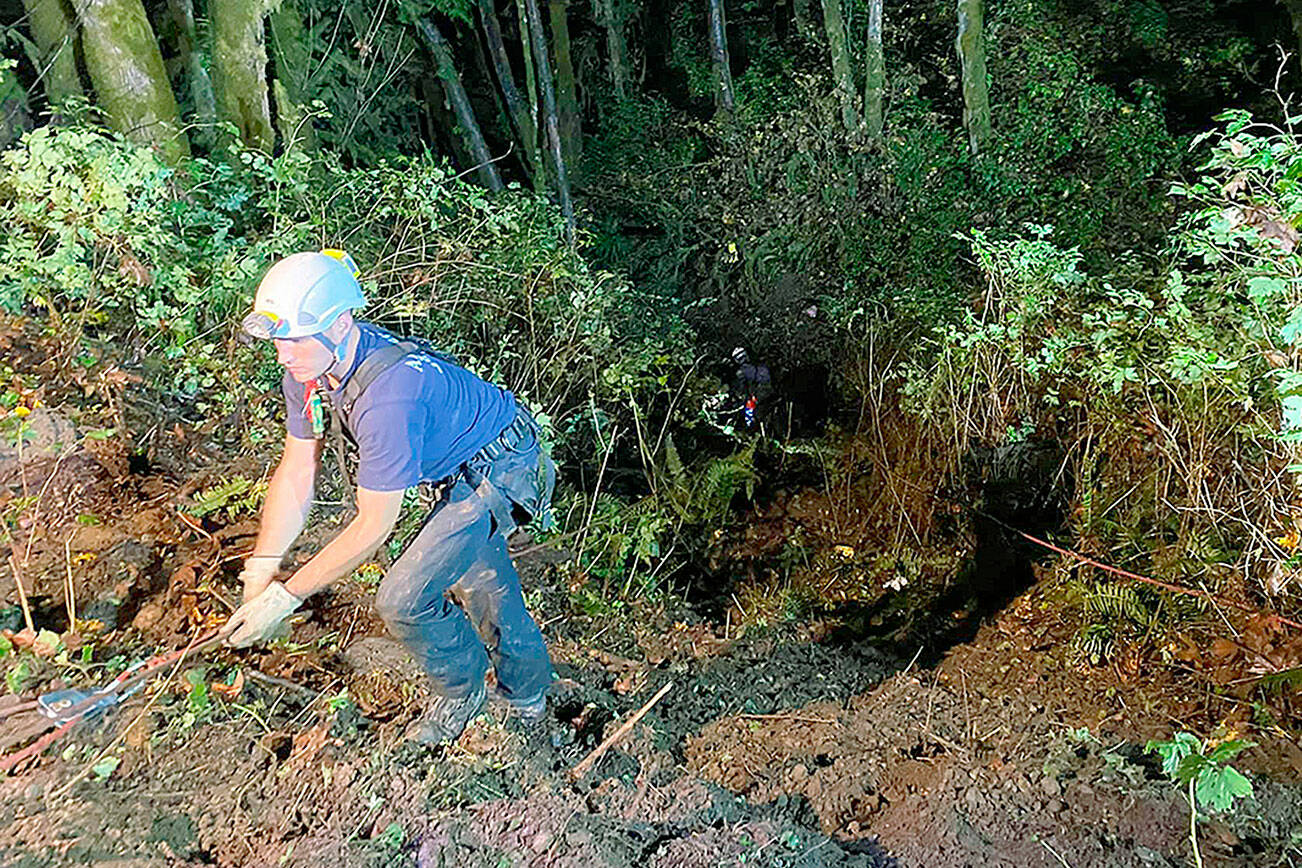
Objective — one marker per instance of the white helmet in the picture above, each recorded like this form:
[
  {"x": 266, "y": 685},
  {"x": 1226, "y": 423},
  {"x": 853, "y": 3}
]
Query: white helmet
[{"x": 304, "y": 294}]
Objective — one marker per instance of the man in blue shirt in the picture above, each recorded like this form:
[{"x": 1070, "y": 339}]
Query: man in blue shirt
[{"x": 453, "y": 597}]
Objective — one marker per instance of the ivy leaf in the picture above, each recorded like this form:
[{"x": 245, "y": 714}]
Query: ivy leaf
[
  {"x": 1173, "y": 752},
  {"x": 1262, "y": 288},
  {"x": 105, "y": 767},
  {"x": 1218, "y": 787}
]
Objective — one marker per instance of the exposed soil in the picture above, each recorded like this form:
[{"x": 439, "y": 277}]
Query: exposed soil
[{"x": 950, "y": 722}]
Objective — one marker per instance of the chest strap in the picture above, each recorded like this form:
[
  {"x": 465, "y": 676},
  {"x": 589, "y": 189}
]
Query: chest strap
[{"x": 370, "y": 368}]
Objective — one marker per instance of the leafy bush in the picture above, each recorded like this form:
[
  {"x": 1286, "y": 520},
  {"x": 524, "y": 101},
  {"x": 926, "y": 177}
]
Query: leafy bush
[
  {"x": 1175, "y": 388},
  {"x": 125, "y": 254}
]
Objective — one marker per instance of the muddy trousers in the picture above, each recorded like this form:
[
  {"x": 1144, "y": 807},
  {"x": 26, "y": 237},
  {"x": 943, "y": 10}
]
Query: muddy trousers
[{"x": 453, "y": 598}]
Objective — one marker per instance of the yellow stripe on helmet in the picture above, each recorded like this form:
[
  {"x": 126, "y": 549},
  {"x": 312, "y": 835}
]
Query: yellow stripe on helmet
[{"x": 335, "y": 253}]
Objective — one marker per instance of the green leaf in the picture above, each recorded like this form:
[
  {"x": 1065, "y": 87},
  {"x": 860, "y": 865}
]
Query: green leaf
[
  {"x": 47, "y": 642},
  {"x": 16, "y": 677},
  {"x": 1293, "y": 328},
  {"x": 197, "y": 699},
  {"x": 1292, "y": 407},
  {"x": 1217, "y": 788},
  {"x": 1263, "y": 288},
  {"x": 1228, "y": 750},
  {"x": 1191, "y": 767},
  {"x": 1173, "y": 752},
  {"x": 105, "y": 767}
]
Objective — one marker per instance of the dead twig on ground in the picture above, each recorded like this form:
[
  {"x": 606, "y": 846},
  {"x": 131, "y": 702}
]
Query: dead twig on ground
[
  {"x": 22, "y": 592},
  {"x": 587, "y": 762},
  {"x": 70, "y": 594},
  {"x": 1061, "y": 861},
  {"x": 284, "y": 684}
]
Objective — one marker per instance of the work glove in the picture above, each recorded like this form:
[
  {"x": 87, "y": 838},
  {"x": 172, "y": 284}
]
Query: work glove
[
  {"x": 258, "y": 572},
  {"x": 257, "y": 620}
]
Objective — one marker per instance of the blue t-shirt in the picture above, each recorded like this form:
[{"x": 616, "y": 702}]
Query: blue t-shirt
[{"x": 417, "y": 421}]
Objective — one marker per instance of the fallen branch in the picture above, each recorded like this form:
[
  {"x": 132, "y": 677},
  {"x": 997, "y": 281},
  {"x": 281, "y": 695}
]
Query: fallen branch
[
  {"x": 1166, "y": 586},
  {"x": 624, "y": 728},
  {"x": 282, "y": 683}
]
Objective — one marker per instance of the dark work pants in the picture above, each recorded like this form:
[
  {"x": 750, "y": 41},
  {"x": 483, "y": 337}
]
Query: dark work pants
[{"x": 453, "y": 598}]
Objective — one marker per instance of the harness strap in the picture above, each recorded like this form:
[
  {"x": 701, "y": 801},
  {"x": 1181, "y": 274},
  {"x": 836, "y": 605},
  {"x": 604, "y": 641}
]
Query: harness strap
[
  {"x": 367, "y": 372},
  {"x": 370, "y": 368}
]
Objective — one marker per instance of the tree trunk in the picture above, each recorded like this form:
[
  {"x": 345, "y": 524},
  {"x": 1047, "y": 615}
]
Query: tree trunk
[
  {"x": 567, "y": 102},
  {"x": 972, "y": 58},
  {"x": 239, "y": 65},
  {"x": 604, "y": 11},
  {"x": 15, "y": 119},
  {"x": 550, "y": 120},
  {"x": 724, "y": 99},
  {"x": 54, "y": 32},
  {"x": 456, "y": 94},
  {"x": 1295, "y": 12},
  {"x": 806, "y": 21},
  {"x": 874, "y": 90},
  {"x": 516, "y": 106},
  {"x": 196, "y": 74},
  {"x": 842, "y": 74},
  {"x": 531, "y": 85},
  {"x": 805, "y": 25},
  {"x": 126, "y": 70},
  {"x": 292, "y": 62}
]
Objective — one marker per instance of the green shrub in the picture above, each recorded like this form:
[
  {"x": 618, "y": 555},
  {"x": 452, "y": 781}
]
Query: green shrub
[{"x": 1175, "y": 388}]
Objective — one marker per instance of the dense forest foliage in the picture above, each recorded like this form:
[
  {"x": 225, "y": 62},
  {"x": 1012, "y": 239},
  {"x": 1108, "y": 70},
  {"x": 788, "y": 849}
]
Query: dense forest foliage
[{"x": 940, "y": 227}]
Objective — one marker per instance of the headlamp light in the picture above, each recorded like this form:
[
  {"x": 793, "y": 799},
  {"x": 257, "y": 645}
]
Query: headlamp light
[{"x": 261, "y": 324}]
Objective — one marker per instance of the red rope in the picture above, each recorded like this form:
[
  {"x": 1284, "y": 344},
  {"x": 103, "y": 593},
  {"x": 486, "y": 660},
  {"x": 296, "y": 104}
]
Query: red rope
[{"x": 36, "y": 747}]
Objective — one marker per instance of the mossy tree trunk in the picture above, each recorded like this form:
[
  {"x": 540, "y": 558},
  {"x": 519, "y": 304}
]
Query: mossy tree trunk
[
  {"x": 725, "y": 100},
  {"x": 874, "y": 91},
  {"x": 971, "y": 48},
  {"x": 531, "y": 85},
  {"x": 126, "y": 70},
  {"x": 516, "y": 106},
  {"x": 196, "y": 73},
  {"x": 54, "y": 32},
  {"x": 460, "y": 103},
  {"x": 567, "y": 96},
  {"x": 617, "y": 52},
  {"x": 292, "y": 63},
  {"x": 544, "y": 71},
  {"x": 842, "y": 74},
  {"x": 15, "y": 118},
  {"x": 239, "y": 65}
]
